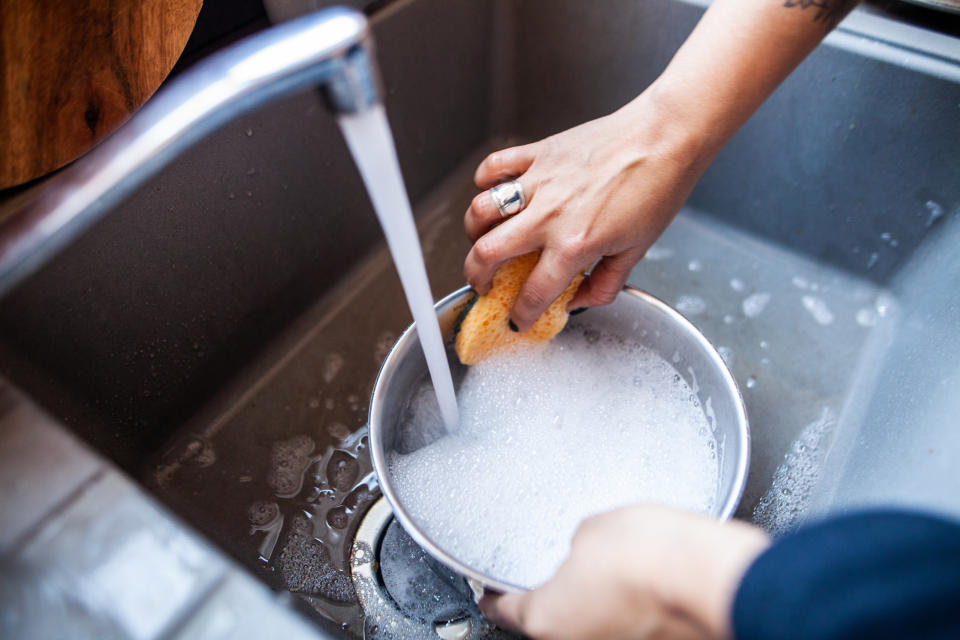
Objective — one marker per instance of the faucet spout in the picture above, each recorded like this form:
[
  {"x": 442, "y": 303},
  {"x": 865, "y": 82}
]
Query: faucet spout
[{"x": 330, "y": 48}]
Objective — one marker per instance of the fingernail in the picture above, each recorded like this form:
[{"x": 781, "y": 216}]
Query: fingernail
[
  {"x": 513, "y": 326},
  {"x": 580, "y": 310}
]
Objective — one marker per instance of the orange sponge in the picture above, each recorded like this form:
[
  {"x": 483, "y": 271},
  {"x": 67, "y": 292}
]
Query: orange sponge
[{"x": 484, "y": 330}]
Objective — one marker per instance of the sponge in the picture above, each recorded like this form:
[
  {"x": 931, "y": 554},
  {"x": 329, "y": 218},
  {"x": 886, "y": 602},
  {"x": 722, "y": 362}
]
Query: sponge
[{"x": 484, "y": 330}]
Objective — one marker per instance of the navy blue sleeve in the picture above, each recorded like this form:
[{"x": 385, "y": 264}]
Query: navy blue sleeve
[{"x": 876, "y": 575}]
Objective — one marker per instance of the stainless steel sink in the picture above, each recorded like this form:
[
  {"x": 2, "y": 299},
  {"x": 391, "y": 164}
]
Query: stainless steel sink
[{"x": 224, "y": 325}]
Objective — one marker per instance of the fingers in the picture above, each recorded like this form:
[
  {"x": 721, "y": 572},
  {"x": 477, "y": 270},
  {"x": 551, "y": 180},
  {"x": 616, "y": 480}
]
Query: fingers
[
  {"x": 484, "y": 214},
  {"x": 504, "y": 164},
  {"x": 504, "y": 610},
  {"x": 516, "y": 236},
  {"x": 606, "y": 280},
  {"x": 545, "y": 283},
  {"x": 552, "y": 610}
]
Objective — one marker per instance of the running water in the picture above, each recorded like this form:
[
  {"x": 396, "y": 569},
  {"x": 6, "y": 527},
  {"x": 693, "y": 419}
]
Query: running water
[{"x": 369, "y": 139}]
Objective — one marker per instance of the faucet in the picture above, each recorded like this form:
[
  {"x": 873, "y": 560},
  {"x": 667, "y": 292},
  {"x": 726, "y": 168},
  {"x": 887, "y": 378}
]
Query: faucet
[{"x": 332, "y": 48}]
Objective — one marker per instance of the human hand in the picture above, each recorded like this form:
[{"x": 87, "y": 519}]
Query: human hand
[
  {"x": 603, "y": 190},
  {"x": 638, "y": 572}
]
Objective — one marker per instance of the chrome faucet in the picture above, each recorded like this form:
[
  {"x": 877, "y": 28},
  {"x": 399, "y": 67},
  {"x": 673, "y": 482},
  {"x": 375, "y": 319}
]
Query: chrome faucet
[{"x": 331, "y": 48}]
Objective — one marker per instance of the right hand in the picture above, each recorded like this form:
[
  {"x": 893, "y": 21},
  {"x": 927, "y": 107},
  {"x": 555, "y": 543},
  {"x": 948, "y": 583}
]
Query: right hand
[
  {"x": 604, "y": 190},
  {"x": 638, "y": 572}
]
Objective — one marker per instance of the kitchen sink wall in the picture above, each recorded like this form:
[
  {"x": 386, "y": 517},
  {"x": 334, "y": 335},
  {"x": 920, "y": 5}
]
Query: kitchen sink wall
[{"x": 129, "y": 332}]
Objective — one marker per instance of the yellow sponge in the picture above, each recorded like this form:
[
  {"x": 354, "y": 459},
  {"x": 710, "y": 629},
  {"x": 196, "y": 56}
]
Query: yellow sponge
[{"x": 484, "y": 329}]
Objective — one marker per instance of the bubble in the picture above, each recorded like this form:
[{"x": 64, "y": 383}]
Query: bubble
[
  {"x": 383, "y": 345},
  {"x": 199, "y": 451},
  {"x": 306, "y": 566},
  {"x": 727, "y": 354},
  {"x": 342, "y": 470},
  {"x": 359, "y": 498},
  {"x": 338, "y": 518},
  {"x": 935, "y": 212},
  {"x": 753, "y": 305},
  {"x": 338, "y": 430},
  {"x": 867, "y": 317},
  {"x": 289, "y": 460},
  {"x": 261, "y": 512},
  {"x": 658, "y": 252},
  {"x": 332, "y": 364},
  {"x": 818, "y": 309},
  {"x": 691, "y": 305}
]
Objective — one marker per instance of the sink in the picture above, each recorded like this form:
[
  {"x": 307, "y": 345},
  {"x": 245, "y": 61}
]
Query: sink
[{"x": 217, "y": 336}]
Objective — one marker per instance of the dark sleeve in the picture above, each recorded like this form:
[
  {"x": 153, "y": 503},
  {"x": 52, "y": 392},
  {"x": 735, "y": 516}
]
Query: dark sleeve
[{"x": 876, "y": 575}]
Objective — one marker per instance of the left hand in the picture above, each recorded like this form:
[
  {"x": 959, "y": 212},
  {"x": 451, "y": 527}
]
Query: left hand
[{"x": 640, "y": 573}]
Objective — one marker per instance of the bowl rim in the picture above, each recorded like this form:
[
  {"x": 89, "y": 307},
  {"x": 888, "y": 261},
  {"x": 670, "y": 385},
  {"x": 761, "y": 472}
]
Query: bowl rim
[{"x": 378, "y": 455}]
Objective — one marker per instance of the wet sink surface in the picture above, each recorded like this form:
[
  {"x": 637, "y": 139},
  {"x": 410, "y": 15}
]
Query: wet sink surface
[
  {"x": 795, "y": 334},
  {"x": 229, "y": 368},
  {"x": 269, "y": 447},
  {"x": 279, "y": 457}
]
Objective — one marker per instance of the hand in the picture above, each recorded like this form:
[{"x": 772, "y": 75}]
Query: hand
[
  {"x": 638, "y": 572},
  {"x": 603, "y": 190},
  {"x": 606, "y": 189}
]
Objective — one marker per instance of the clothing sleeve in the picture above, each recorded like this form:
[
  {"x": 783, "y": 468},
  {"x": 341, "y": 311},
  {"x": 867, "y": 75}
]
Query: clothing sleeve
[{"x": 873, "y": 575}]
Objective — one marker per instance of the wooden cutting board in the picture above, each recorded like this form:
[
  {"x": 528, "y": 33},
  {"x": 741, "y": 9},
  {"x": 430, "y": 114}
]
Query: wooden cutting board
[{"x": 72, "y": 71}]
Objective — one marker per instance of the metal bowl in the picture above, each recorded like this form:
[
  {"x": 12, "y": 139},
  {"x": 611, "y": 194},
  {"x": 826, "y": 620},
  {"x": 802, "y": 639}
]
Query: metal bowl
[{"x": 667, "y": 332}]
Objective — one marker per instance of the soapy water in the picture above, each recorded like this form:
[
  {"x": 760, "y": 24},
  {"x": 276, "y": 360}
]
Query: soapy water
[
  {"x": 690, "y": 305},
  {"x": 754, "y": 304},
  {"x": 548, "y": 436},
  {"x": 305, "y": 526},
  {"x": 817, "y": 308},
  {"x": 784, "y": 505}
]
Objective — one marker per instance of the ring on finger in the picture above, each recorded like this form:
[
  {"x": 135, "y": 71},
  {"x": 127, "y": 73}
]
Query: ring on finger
[{"x": 508, "y": 198}]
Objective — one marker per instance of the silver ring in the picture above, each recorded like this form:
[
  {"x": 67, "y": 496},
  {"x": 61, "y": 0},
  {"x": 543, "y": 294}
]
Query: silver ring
[{"x": 509, "y": 198}]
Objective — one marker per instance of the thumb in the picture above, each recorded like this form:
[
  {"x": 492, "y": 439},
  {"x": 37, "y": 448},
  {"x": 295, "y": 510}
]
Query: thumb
[{"x": 504, "y": 609}]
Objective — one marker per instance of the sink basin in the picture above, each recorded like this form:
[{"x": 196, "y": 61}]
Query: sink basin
[{"x": 215, "y": 336}]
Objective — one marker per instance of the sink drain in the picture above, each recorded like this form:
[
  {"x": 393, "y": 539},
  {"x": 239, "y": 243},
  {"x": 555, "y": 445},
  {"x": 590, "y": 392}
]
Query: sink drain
[{"x": 404, "y": 592}]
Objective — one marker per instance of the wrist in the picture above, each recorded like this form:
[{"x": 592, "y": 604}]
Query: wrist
[
  {"x": 674, "y": 127},
  {"x": 720, "y": 570}
]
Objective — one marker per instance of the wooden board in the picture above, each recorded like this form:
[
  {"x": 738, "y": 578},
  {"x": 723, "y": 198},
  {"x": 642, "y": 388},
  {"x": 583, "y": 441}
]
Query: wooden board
[{"x": 72, "y": 71}]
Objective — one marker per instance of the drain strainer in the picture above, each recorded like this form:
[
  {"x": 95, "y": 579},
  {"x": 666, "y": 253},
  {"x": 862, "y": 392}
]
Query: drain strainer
[{"x": 404, "y": 592}]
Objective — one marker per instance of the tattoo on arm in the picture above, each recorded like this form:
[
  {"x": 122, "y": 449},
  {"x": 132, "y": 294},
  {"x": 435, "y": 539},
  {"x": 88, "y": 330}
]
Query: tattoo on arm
[{"x": 829, "y": 12}]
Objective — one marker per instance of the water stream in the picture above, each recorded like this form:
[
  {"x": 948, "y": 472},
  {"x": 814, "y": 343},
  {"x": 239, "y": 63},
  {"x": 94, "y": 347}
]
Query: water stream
[{"x": 371, "y": 143}]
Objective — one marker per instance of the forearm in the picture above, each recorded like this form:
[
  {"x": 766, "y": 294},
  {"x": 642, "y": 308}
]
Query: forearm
[
  {"x": 879, "y": 575},
  {"x": 740, "y": 51}
]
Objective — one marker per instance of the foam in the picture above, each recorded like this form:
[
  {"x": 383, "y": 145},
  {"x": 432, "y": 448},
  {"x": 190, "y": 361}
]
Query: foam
[
  {"x": 787, "y": 501},
  {"x": 549, "y": 435},
  {"x": 289, "y": 460},
  {"x": 754, "y": 304},
  {"x": 818, "y": 309}
]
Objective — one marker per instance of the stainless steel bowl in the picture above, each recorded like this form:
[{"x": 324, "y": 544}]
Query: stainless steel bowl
[{"x": 667, "y": 332}]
